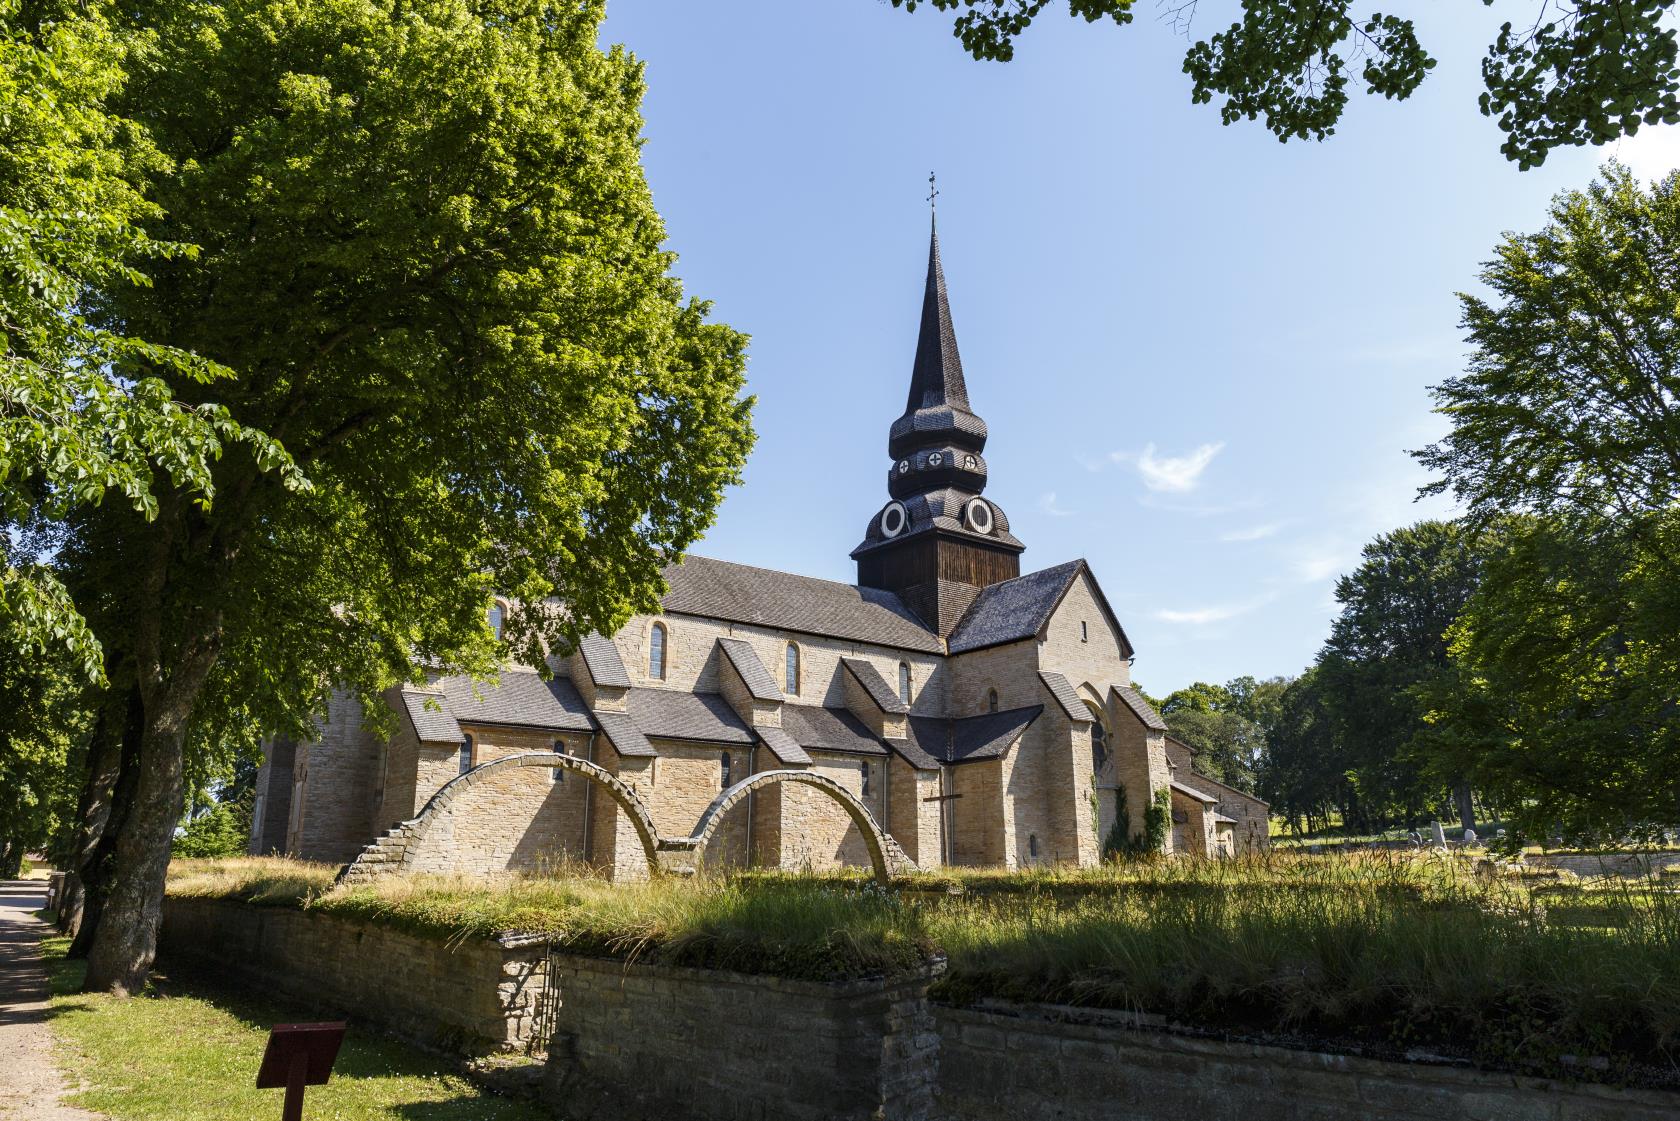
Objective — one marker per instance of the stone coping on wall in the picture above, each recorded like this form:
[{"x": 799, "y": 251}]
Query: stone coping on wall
[{"x": 1318, "y": 1051}]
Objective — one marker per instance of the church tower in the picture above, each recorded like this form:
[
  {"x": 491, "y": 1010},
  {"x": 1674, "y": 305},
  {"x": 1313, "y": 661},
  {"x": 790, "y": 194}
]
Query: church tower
[{"x": 937, "y": 542}]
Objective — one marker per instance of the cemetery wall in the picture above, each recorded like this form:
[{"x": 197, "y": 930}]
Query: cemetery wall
[
  {"x": 472, "y": 997},
  {"x": 635, "y": 1042},
  {"x": 1591, "y": 864}
]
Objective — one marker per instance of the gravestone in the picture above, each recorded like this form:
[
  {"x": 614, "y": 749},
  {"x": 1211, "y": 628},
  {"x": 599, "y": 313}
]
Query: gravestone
[{"x": 1440, "y": 835}]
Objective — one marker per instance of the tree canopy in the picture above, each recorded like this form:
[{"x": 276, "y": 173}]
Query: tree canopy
[
  {"x": 425, "y": 263},
  {"x": 1582, "y": 74}
]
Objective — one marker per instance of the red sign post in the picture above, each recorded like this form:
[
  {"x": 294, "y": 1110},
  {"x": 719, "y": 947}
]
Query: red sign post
[{"x": 299, "y": 1055}]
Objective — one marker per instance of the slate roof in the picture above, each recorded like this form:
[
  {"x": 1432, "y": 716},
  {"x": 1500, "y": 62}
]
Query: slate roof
[
  {"x": 1065, "y": 696},
  {"x": 739, "y": 593},
  {"x": 875, "y": 685},
  {"x": 433, "y": 723},
  {"x": 600, "y": 655},
  {"x": 914, "y": 754},
  {"x": 1014, "y": 609},
  {"x": 679, "y": 715},
  {"x": 782, "y": 745},
  {"x": 1192, "y": 792},
  {"x": 971, "y": 738},
  {"x": 1142, "y": 709},
  {"x": 830, "y": 729},
  {"x": 622, "y": 733},
  {"x": 747, "y": 663},
  {"x": 521, "y": 699}
]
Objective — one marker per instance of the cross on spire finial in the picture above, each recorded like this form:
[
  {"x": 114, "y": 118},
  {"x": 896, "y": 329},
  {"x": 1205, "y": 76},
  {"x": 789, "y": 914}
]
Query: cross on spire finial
[{"x": 933, "y": 193}]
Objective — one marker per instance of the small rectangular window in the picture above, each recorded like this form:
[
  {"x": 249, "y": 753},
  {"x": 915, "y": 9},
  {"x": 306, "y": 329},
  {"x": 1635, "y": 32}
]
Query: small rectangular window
[
  {"x": 464, "y": 761},
  {"x": 863, "y": 770},
  {"x": 1084, "y": 631},
  {"x": 558, "y": 774},
  {"x": 723, "y": 773}
]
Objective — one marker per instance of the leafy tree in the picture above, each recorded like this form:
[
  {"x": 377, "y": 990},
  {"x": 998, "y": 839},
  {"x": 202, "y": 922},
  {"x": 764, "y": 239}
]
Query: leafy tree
[
  {"x": 1571, "y": 403},
  {"x": 1568, "y": 653},
  {"x": 84, "y": 411},
  {"x": 1588, "y": 73},
  {"x": 1302, "y": 773},
  {"x": 1386, "y": 648},
  {"x": 427, "y": 250},
  {"x": 1226, "y": 725},
  {"x": 43, "y": 726}
]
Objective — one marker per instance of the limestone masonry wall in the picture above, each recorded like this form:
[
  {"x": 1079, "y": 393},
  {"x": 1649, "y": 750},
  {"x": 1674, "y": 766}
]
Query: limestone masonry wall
[
  {"x": 636, "y": 1042},
  {"x": 472, "y": 997},
  {"x": 1034, "y": 1064},
  {"x": 647, "y": 1043}
]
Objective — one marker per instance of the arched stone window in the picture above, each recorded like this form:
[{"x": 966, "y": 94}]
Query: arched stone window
[
  {"x": 464, "y": 760},
  {"x": 1099, "y": 739},
  {"x": 991, "y": 700},
  {"x": 864, "y": 772},
  {"x": 558, "y": 774},
  {"x": 1084, "y": 631},
  {"x": 724, "y": 772},
  {"x": 904, "y": 682},
  {"x": 791, "y": 676},
  {"x": 497, "y": 615},
  {"x": 656, "y": 652}
]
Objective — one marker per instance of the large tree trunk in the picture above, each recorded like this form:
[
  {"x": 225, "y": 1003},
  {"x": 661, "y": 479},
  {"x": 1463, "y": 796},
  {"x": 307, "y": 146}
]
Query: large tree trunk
[
  {"x": 1466, "y": 807},
  {"x": 126, "y": 939},
  {"x": 95, "y": 871},
  {"x": 93, "y": 808},
  {"x": 169, "y": 675}
]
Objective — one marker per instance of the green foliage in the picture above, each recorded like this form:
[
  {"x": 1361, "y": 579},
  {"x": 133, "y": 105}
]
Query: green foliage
[
  {"x": 1594, "y": 71},
  {"x": 434, "y": 263},
  {"x": 1225, "y": 725},
  {"x": 84, "y": 411},
  {"x": 43, "y": 731},
  {"x": 1564, "y": 700},
  {"x": 1571, "y": 403},
  {"x": 222, "y": 829},
  {"x": 1157, "y": 822}
]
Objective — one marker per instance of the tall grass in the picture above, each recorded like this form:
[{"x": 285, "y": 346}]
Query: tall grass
[{"x": 1392, "y": 948}]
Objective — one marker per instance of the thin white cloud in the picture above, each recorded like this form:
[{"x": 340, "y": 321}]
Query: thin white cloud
[
  {"x": 1213, "y": 613},
  {"x": 1047, "y": 503},
  {"x": 1174, "y": 474},
  {"x": 1252, "y": 533},
  {"x": 1313, "y": 567}
]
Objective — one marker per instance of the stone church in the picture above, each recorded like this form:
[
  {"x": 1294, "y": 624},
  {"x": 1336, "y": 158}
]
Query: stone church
[{"x": 978, "y": 715}]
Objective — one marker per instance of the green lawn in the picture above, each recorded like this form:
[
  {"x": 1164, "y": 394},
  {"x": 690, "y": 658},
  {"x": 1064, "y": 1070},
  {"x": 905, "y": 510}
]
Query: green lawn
[{"x": 189, "y": 1052}]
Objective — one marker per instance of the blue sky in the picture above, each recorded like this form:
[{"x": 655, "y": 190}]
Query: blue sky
[{"x": 1202, "y": 354}]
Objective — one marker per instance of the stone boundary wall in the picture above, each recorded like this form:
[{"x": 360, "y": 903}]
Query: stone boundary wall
[
  {"x": 635, "y": 1042},
  {"x": 1033, "y": 1064},
  {"x": 472, "y": 997},
  {"x": 649, "y": 1043},
  {"x": 1588, "y": 865}
]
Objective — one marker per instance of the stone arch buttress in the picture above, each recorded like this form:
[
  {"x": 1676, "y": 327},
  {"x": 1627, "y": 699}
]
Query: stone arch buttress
[
  {"x": 884, "y": 854},
  {"x": 395, "y": 851}
]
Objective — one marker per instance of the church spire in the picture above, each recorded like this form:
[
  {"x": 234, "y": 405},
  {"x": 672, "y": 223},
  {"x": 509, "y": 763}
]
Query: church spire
[
  {"x": 937, "y": 541},
  {"x": 937, "y": 376}
]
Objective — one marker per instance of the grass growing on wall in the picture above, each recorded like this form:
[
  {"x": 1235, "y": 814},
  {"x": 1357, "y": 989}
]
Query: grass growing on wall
[
  {"x": 189, "y": 1051},
  {"x": 1390, "y": 948}
]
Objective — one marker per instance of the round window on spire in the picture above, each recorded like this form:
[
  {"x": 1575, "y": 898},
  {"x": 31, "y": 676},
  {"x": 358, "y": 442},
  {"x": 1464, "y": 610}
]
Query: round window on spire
[
  {"x": 935, "y": 459},
  {"x": 979, "y": 515},
  {"x": 904, "y": 467},
  {"x": 894, "y": 519}
]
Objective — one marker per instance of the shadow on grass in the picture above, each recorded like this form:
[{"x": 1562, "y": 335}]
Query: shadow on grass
[{"x": 368, "y": 1055}]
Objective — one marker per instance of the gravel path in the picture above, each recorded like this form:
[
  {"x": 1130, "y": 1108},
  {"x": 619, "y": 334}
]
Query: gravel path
[{"x": 30, "y": 1084}]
